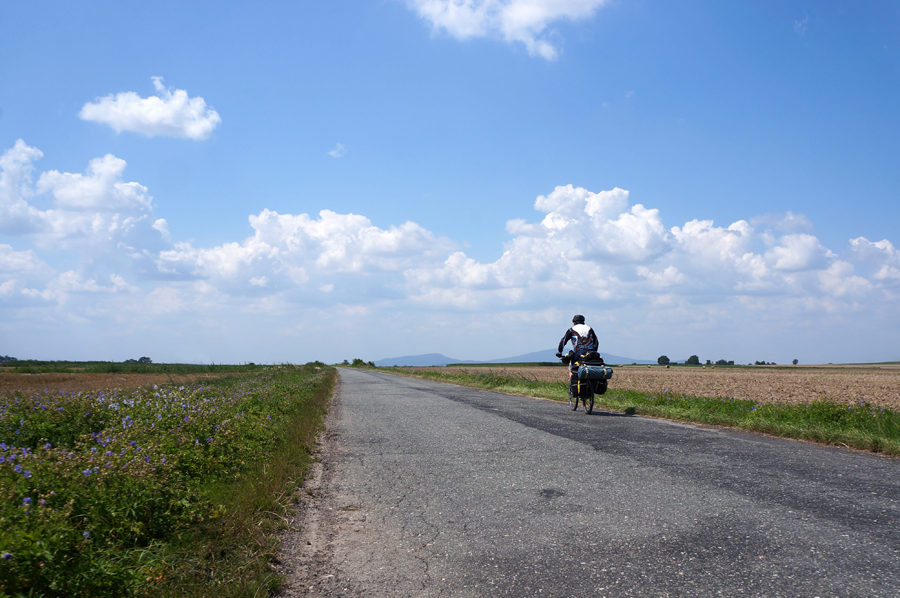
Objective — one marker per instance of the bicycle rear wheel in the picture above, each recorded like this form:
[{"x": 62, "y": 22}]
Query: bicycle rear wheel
[{"x": 589, "y": 404}]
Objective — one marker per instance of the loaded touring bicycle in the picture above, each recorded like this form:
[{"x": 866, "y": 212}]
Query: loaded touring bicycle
[{"x": 590, "y": 376}]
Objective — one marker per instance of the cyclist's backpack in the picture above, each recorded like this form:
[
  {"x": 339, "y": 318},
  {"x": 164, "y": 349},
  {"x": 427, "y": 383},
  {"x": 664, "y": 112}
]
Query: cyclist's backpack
[{"x": 592, "y": 358}]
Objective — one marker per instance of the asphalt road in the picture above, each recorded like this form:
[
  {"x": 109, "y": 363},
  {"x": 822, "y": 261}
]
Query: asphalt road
[{"x": 439, "y": 490}]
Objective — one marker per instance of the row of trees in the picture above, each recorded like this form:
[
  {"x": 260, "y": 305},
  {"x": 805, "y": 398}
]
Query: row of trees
[
  {"x": 795, "y": 362},
  {"x": 8, "y": 359},
  {"x": 694, "y": 360},
  {"x": 358, "y": 362}
]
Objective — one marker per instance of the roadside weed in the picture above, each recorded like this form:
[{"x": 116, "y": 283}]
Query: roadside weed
[{"x": 145, "y": 493}]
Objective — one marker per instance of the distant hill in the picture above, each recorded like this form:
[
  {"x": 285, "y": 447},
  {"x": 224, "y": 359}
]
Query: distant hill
[{"x": 548, "y": 355}]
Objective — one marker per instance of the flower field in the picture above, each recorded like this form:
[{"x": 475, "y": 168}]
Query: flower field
[{"x": 99, "y": 491}]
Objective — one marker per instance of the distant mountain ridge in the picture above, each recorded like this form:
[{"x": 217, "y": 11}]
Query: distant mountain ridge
[{"x": 437, "y": 359}]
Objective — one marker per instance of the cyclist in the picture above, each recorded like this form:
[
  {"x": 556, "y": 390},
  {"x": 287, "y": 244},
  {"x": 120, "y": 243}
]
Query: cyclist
[{"x": 584, "y": 339}]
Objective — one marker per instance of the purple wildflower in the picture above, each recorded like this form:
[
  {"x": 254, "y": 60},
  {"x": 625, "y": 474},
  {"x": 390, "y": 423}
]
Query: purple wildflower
[{"x": 26, "y": 501}]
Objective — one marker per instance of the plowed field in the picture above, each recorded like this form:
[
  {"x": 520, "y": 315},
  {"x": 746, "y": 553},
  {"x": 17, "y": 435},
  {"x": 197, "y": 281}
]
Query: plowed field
[
  {"x": 29, "y": 384},
  {"x": 877, "y": 385}
]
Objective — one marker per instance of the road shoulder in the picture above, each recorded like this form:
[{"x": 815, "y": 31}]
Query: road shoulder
[{"x": 306, "y": 551}]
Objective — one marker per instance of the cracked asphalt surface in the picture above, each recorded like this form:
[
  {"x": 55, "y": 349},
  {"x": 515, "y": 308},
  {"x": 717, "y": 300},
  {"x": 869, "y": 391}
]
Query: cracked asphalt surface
[{"x": 430, "y": 489}]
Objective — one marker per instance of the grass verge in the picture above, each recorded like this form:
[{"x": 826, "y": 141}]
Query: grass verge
[
  {"x": 164, "y": 491},
  {"x": 858, "y": 426}
]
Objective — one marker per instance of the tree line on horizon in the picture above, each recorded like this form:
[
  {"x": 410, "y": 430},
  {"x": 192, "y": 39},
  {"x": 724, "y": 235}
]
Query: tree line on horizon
[{"x": 694, "y": 360}]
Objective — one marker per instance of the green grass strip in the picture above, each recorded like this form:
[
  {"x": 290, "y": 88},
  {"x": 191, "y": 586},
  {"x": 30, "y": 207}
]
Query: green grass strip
[{"x": 860, "y": 426}]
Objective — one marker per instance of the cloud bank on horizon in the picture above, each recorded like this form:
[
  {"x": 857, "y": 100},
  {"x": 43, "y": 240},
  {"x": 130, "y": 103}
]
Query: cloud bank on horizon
[{"x": 594, "y": 249}]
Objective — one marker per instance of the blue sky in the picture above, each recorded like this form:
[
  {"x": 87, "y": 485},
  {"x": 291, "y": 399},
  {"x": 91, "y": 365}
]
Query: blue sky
[{"x": 297, "y": 181}]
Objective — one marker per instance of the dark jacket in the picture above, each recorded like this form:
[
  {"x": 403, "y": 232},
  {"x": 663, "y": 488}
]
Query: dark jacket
[{"x": 583, "y": 336}]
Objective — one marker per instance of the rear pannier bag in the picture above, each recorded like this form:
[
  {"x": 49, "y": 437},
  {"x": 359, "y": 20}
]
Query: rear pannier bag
[{"x": 581, "y": 388}]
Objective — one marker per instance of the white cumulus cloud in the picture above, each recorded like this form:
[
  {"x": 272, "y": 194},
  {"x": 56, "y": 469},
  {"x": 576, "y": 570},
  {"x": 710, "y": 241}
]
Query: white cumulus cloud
[
  {"x": 522, "y": 21},
  {"x": 18, "y": 262},
  {"x": 95, "y": 219},
  {"x": 884, "y": 257},
  {"x": 16, "y": 214},
  {"x": 19, "y": 270},
  {"x": 170, "y": 113},
  {"x": 96, "y": 209},
  {"x": 599, "y": 246},
  {"x": 289, "y": 250},
  {"x": 598, "y": 226},
  {"x": 102, "y": 189},
  {"x": 72, "y": 282},
  {"x": 799, "y": 252},
  {"x": 840, "y": 280}
]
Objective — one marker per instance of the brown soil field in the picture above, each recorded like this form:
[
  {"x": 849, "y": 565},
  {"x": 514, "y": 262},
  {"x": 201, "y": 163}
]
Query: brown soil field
[
  {"x": 29, "y": 384},
  {"x": 876, "y": 385}
]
